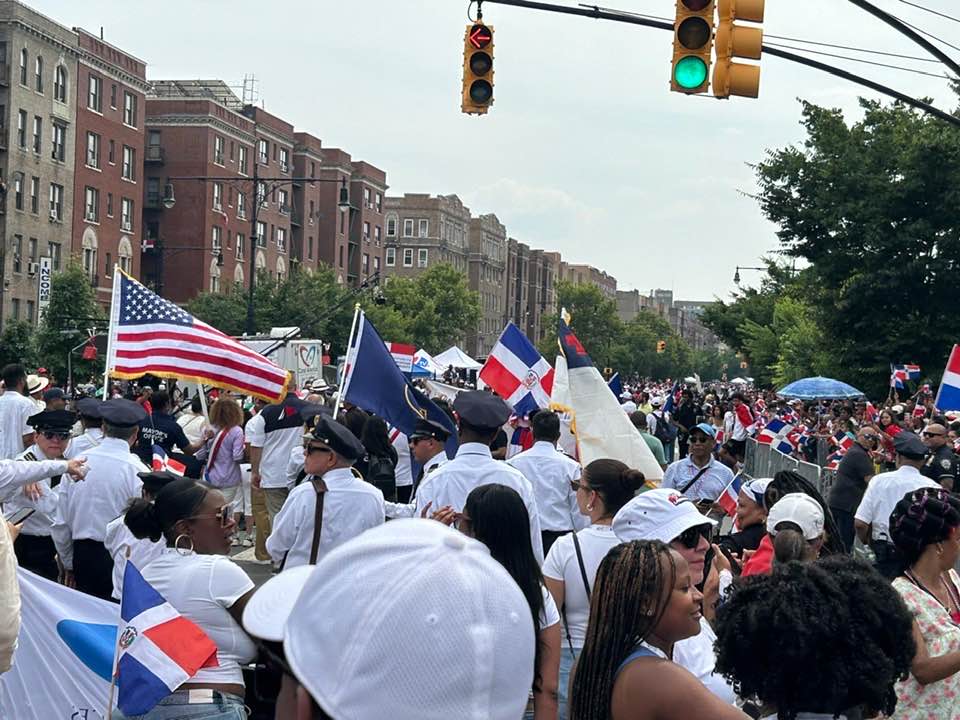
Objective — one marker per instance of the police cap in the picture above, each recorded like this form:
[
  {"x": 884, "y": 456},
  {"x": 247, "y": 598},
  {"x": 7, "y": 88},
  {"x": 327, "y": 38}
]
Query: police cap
[
  {"x": 122, "y": 413},
  {"x": 89, "y": 407},
  {"x": 337, "y": 437},
  {"x": 429, "y": 429},
  {"x": 909, "y": 445},
  {"x": 481, "y": 410},
  {"x": 55, "y": 420},
  {"x": 53, "y": 394},
  {"x": 153, "y": 481}
]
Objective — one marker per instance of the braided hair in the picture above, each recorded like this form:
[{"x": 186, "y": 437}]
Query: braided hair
[
  {"x": 621, "y": 615},
  {"x": 786, "y": 482},
  {"x": 816, "y": 637},
  {"x": 922, "y": 518}
]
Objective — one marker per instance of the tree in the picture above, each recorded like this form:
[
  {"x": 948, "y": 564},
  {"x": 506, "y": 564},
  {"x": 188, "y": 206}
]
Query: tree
[
  {"x": 73, "y": 310},
  {"x": 593, "y": 319},
  {"x": 17, "y": 344}
]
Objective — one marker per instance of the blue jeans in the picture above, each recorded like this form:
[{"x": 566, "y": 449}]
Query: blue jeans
[
  {"x": 567, "y": 659},
  {"x": 176, "y": 707}
]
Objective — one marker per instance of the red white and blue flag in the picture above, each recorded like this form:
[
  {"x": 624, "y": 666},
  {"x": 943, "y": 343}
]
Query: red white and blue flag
[
  {"x": 402, "y": 355},
  {"x": 871, "y": 413},
  {"x": 728, "y": 498},
  {"x": 843, "y": 440},
  {"x": 157, "y": 650},
  {"x": 517, "y": 372},
  {"x": 162, "y": 462},
  {"x": 948, "y": 396},
  {"x": 777, "y": 435}
]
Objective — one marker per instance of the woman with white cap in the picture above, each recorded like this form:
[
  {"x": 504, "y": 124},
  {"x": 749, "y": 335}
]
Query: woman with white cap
[
  {"x": 571, "y": 565},
  {"x": 796, "y": 525},
  {"x": 643, "y": 605}
]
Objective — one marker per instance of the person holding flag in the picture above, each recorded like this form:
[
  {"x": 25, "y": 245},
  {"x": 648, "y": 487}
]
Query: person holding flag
[{"x": 750, "y": 519}]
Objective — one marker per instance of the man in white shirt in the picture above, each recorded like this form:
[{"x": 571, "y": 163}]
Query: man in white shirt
[
  {"x": 89, "y": 411},
  {"x": 15, "y": 409},
  {"x": 699, "y": 476},
  {"x": 253, "y": 431},
  {"x": 481, "y": 415},
  {"x": 884, "y": 491},
  {"x": 403, "y": 472},
  {"x": 551, "y": 473},
  {"x": 272, "y": 440},
  {"x": 428, "y": 446},
  {"x": 332, "y": 505}
]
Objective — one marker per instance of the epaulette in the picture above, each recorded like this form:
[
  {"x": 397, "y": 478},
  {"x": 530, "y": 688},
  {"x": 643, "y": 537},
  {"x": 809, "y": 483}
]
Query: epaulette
[{"x": 29, "y": 457}]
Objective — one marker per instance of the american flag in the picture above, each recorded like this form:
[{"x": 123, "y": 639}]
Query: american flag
[{"x": 151, "y": 335}]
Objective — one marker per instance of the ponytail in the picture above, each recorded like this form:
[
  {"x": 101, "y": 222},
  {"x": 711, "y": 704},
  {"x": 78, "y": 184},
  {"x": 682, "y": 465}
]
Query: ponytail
[
  {"x": 176, "y": 501},
  {"x": 614, "y": 481}
]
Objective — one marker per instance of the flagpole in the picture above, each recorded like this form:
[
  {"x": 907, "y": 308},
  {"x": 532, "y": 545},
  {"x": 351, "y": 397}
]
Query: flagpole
[
  {"x": 116, "y": 647},
  {"x": 203, "y": 401},
  {"x": 114, "y": 318},
  {"x": 346, "y": 374}
]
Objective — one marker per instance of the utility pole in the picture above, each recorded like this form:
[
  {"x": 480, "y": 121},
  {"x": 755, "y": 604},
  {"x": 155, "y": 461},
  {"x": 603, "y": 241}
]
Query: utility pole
[{"x": 255, "y": 217}]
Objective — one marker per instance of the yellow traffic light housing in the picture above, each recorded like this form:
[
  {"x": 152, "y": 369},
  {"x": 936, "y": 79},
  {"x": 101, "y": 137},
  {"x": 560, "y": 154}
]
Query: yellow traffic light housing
[
  {"x": 477, "y": 95},
  {"x": 692, "y": 46},
  {"x": 732, "y": 78},
  {"x": 661, "y": 346}
]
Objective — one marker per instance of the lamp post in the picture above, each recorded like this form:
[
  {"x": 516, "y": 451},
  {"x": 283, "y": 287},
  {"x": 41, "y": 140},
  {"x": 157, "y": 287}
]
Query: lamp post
[
  {"x": 169, "y": 201},
  {"x": 736, "y": 273}
]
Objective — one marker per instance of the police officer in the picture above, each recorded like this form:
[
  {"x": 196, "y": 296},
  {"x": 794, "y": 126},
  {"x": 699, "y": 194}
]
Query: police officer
[
  {"x": 87, "y": 507},
  {"x": 89, "y": 411},
  {"x": 333, "y": 506},
  {"x": 428, "y": 445},
  {"x": 481, "y": 415},
  {"x": 941, "y": 463},
  {"x": 34, "y": 545}
]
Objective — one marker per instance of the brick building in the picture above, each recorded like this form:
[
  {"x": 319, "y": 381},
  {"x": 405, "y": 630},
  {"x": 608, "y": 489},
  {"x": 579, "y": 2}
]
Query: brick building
[
  {"x": 38, "y": 110},
  {"x": 584, "y": 274},
  {"x": 542, "y": 297},
  {"x": 518, "y": 286},
  {"x": 108, "y": 175},
  {"x": 487, "y": 271},
  {"x": 305, "y": 228},
  {"x": 422, "y": 231}
]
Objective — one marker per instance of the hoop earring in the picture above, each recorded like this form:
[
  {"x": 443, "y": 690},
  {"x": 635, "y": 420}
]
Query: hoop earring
[{"x": 176, "y": 545}]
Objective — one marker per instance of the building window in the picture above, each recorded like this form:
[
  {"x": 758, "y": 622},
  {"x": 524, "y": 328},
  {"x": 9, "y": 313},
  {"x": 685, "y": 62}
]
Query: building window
[
  {"x": 217, "y": 239},
  {"x": 90, "y": 261},
  {"x": 365, "y": 268},
  {"x": 126, "y": 262},
  {"x": 59, "y": 150},
  {"x": 113, "y": 96},
  {"x": 35, "y": 195},
  {"x": 128, "y": 170},
  {"x": 95, "y": 94},
  {"x": 126, "y": 214},
  {"x": 282, "y": 202},
  {"x": 366, "y": 198},
  {"x": 310, "y": 248},
  {"x": 31, "y": 310},
  {"x": 56, "y": 201},
  {"x": 262, "y": 194},
  {"x": 22, "y": 128},
  {"x": 284, "y": 160},
  {"x": 32, "y": 249},
  {"x": 91, "y": 205},
  {"x": 93, "y": 150},
  {"x": 310, "y": 216},
  {"x": 282, "y": 239},
  {"x": 366, "y": 231},
  {"x": 129, "y": 109},
  {"x": 217, "y": 150},
  {"x": 242, "y": 160},
  {"x": 241, "y": 206},
  {"x": 218, "y": 196},
  {"x": 60, "y": 84},
  {"x": 53, "y": 250},
  {"x": 261, "y": 234},
  {"x": 341, "y": 256},
  {"x": 37, "y": 133},
  {"x": 18, "y": 253},
  {"x": 23, "y": 66},
  {"x": 214, "y": 283},
  {"x": 376, "y": 264},
  {"x": 422, "y": 254},
  {"x": 111, "y": 158},
  {"x": 376, "y": 235},
  {"x": 424, "y": 228},
  {"x": 408, "y": 257},
  {"x": 263, "y": 152},
  {"x": 390, "y": 255},
  {"x": 153, "y": 145},
  {"x": 18, "y": 190},
  {"x": 379, "y": 203},
  {"x": 15, "y": 308},
  {"x": 108, "y": 266},
  {"x": 109, "y": 204},
  {"x": 38, "y": 74},
  {"x": 240, "y": 243},
  {"x": 408, "y": 228}
]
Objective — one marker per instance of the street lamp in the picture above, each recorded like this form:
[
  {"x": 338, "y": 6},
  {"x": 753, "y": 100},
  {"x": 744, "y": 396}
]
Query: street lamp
[{"x": 736, "y": 273}]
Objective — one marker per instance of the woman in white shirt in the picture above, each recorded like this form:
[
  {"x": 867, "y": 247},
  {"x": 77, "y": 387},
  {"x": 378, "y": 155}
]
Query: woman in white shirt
[
  {"x": 496, "y": 516},
  {"x": 571, "y": 565},
  {"x": 197, "y": 578}
]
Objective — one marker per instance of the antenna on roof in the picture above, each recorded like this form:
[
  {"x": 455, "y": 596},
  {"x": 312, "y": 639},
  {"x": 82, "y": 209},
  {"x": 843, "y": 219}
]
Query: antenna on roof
[{"x": 250, "y": 89}]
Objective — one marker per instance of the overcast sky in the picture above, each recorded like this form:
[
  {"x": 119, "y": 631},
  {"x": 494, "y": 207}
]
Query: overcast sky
[{"x": 585, "y": 150}]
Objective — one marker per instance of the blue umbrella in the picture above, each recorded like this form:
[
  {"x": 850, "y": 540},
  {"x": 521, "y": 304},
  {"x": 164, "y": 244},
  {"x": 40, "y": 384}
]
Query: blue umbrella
[{"x": 819, "y": 388}]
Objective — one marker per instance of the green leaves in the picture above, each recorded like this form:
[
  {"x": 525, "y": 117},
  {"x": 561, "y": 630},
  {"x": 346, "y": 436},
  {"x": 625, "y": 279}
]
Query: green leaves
[{"x": 73, "y": 309}]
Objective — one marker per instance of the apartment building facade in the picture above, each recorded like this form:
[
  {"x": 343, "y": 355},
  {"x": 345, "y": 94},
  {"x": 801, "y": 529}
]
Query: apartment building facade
[
  {"x": 422, "y": 231},
  {"x": 487, "y": 272}
]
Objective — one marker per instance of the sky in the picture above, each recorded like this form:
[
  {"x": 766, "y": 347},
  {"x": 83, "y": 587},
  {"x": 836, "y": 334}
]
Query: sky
[{"x": 585, "y": 151}]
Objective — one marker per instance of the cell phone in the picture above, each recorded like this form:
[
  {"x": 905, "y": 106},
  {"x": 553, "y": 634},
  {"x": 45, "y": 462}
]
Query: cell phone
[
  {"x": 19, "y": 516},
  {"x": 735, "y": 567}
]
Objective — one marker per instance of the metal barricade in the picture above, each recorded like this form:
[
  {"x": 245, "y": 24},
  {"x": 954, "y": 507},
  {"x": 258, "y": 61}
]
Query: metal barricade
[{"x": 763, "y": 461}]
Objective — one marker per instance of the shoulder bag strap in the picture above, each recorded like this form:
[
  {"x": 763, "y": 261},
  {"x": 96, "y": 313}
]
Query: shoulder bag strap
[
  {"x": 216, "y": 447},
  {"x": 586, "y": 587},
  {"x": 321, "y": 489},
  {"x": 696, "y": 477}
]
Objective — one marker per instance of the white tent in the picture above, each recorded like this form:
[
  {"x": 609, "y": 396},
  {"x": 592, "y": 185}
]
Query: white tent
[
  {"x": 424, "y": 364},
  {"x": 739, "y": 381},
  {"x": 456, "y": 357}
]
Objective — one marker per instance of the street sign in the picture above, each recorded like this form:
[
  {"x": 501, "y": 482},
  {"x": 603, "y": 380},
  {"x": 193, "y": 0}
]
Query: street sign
[{"x": 43, "y": 285}]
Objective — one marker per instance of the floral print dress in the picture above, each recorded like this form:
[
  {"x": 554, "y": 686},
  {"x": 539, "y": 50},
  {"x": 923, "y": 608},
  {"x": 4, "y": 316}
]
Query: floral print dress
[{"x": 939, "y": 700}]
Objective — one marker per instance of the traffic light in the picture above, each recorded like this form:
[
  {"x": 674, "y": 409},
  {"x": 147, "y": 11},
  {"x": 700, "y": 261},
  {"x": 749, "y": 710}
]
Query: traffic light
[
  {"x": 661, "y": 346},
  {"x": 732, "y": 78},
  {"x": 692, "y": 46},
  {"x": 477, "y": 69}
]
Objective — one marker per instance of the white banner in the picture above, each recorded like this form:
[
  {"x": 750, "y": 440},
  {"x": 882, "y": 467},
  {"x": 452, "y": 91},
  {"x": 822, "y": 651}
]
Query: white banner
[
  {"x": 65, "y": 647},
  {"x": 43, "y": 285}
]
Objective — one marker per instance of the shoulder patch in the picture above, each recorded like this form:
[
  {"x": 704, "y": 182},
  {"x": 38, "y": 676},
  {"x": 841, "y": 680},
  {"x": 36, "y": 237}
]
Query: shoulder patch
[
  {"x": 30, "y": 457},
  {"x": 946, "y": 464}
]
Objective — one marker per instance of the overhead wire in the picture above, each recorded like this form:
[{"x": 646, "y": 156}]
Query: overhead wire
[{"x": 930, "y": 10}]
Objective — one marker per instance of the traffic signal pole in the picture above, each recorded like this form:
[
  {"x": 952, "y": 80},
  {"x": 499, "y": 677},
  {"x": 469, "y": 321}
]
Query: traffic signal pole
[{"x": 598, "y": 14}]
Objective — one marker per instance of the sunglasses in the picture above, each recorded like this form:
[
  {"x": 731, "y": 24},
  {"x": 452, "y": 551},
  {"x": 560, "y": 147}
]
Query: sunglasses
[
  {"x": 700, "y": 438},
  {"x": 223, "y": 514},
  {"x": 52, "y": 435},
  {"x": 932, "y": 434},
  {"x": 575, "y": 485},
  {"x": 311, "y": 449},
  {"x": 690, "y": 538}
]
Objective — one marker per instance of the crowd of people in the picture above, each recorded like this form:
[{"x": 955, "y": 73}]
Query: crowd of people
[{"x": 505, "y": 579}]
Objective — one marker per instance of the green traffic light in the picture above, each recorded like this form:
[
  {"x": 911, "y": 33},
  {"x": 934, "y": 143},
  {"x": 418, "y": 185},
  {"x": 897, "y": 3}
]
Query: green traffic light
[{"x": 690, "y": 72}]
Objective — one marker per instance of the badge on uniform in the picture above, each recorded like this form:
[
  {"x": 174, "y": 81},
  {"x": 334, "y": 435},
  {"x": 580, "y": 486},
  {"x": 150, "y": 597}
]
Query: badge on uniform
[{"x": 945, "y": 464}]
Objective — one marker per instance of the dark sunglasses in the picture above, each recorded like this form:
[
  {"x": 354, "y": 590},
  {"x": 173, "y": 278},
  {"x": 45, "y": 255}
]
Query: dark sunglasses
[
  {"x": 576, "y": 485},
  {"x": 701, "y": 438},
  {"x": 223, "y": 514},
  {"x": 931, "y": 434},
  {"x": 53, "y": 435},
  {"x": 690, "y": 538},
  {"x": 311, "y": 449}
]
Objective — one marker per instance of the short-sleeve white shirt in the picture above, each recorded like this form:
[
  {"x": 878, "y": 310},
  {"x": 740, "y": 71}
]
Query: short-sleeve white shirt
[
  {"x": 15, "y": 410},
  {"x": 883, "y": 493}
]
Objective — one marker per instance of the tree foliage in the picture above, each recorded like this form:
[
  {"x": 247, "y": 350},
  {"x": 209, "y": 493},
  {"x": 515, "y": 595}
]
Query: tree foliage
[
  {"x": 72, "y": 312},
  {"x": 18, "y": 344}
]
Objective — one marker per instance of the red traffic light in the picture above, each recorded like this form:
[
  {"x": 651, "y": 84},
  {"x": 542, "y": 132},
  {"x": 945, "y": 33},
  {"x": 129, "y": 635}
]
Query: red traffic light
[{"x": 480, "y": 36}]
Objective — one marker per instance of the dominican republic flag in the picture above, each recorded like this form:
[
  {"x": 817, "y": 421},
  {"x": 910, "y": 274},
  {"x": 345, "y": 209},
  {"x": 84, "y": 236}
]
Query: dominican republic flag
[
  {"x": 721, "y": 436},
  {"x": 909, "y": 371},
  {"x": 517, "y": 372},
  {"x": 871, "y": 413},
  {"x": 158, "y": 650},
  {"x": 728, "y": 498},
  {"x": 615, "y": 385},
  {"x": 833, "y": 460},
  {"x": 842, "y": 439},
  {"x": 776, "y": 434},
  {"x": 672, "y": 399},
  {"x": 402, "y": 355},
  {"x": 521, "y": 439},
  {"x": 898, "y": 376},
  {"x": 162, "y": 462}
]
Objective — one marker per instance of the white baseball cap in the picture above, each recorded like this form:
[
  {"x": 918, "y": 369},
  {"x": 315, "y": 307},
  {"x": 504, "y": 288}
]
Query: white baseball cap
[
  {"x": 415, "y": 621},
  {"x": 660, "y": 514},
  {"x": 800, "y": 509},
  {"x": 265, "y": 615}
]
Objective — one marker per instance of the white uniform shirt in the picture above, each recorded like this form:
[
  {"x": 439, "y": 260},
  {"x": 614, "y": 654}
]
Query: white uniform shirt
[
  {"x": 277, "y": 447},
  {"x": 707, "y": 487},
  {"x": 551, "y": 472},
  {"x": 15, "y": 410},
  {"x": 9, "y": 599},
  {"x": 91, "y": 438},
  {"x": 409, "y": 510},
  {"x": 45, "y": 506},
  {"x": 404, "y": 470},
  {"x": 87, "y": 506},
  {"x": 294, "y": 464},
  {"x": 474, "y": 466},
  {"x": 883, "y": 493},
  {"x": 14, "y": 474},
  {"x": 117, "y": 540},
  {"x": 696, "y": 655},
  {"x": 350, "y": 506}
]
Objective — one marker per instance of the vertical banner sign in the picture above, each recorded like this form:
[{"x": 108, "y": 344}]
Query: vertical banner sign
[{"x": 43, "y": 285}]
